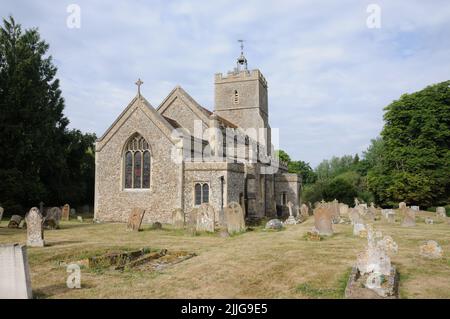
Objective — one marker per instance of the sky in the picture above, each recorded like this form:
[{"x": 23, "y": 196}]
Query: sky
[{"x": 329, "y": 74}]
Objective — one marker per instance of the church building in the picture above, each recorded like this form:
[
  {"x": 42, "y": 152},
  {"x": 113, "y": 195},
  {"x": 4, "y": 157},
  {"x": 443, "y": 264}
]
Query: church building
[{"x": 180, "y": 155}]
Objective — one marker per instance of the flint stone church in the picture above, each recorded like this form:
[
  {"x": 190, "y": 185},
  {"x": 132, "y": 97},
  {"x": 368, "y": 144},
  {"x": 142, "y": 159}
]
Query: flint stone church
[{"x": 180, "y": 155}]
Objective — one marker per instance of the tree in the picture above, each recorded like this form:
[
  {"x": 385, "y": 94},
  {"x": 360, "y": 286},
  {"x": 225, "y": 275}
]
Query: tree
[
  {"x": 40, "y": 159},
  {"x": 415, "y": 163},
  {"x": 340, "y": 189}
]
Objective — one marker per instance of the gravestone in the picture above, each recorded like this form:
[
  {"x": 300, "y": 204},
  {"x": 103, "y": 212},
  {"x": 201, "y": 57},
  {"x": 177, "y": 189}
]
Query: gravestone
[
  {"x": 431, "y": 250},
  {"x": 322, "y": 221},
  {"x": 15, "y": 221},
  {"x": 359, "y": 228},
  {"x": 416, "y": 208},
  {"x": 178, "y": 218},
  {"x": 1, "y": 213},
  {"x": 291, "y": 219},
  {"x": 343, "y": 210},
  {"x": 410, "y": 218},
  {"x": 80, "y": 219},
  {"x": 440, "y": 212},
  {"x": 234, "y": 218},
  {"x": 192, "y": 221},
  {"x": 304, "y": 210},
  {"x": 354, "y": 215},
  {"x": 429, "y": 221},
  {"x": 391, "y": 217},
  {"x": 35, "y": 231},
  {"x": 135, "y": 219},
  {"x": 401, "y": 205},
  {"x": 65, "y": 212},
  {"x": 15, "y": 280},
  {"x": 52, "y": 218},
  {"x": 205, "y": 218}
]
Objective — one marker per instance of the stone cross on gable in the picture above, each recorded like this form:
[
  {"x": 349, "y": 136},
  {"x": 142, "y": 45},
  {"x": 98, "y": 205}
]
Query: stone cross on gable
[{"x": 139, "y": 83}]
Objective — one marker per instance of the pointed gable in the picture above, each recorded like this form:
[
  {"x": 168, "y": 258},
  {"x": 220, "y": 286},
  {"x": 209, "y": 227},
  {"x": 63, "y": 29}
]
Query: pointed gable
[{"x": 182, "y": 108}]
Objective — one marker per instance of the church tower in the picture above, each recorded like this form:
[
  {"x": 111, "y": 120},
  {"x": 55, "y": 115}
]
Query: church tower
[{"x": 241, "y": 98}]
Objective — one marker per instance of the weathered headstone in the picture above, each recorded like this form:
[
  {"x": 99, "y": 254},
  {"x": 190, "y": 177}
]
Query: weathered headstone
[
  {"x": 35, "y": 231},
  {"x": 429, "y": 221},
  {"x": 431, "y": 249},
  {"x": 15, "y": 280},
  {"x": 178, "y": 218},
  {"x": 192, "y": 221},
  {"x": 322, "y": 221},
  {"x": 401, "y": 205},
  {"x": 234, "y": 218},
  {"x": 343, "y": 210},
  {"x": 135, "y": 219},
  {"x": 358, "y": 228},
  {"x": 205, "y": 218},
  {"x": 391, "y": 217},
  {"x": 291, "y": 219},
  {"x": 80, "y": 219},
  {"x": 65, "y": 212},
  {"x": 410, "y": 218},
  {"x": 52, "y": 218},
  {"x": 274, "y": 224},
  {"x": 1, "y": 213},
  {"x": 416, "y": 208},
  {"x": 304, "y": 210},
  {"x": 15, "y": 221},
  {"x": 440, "y": 212}
]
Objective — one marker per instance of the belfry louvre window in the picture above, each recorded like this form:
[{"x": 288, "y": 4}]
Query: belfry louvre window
[
  {"x": 201, "y": 193},
  {"x": 137, "y": 163},
  {"x": 236, "y": 97}
]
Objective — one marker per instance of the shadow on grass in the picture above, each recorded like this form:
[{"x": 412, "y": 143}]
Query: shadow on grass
[{"x": 56, "y": 290}]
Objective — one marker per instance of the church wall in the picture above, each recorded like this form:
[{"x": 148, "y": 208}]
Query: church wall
[
  {"x": 181, "y": 113},
  {"x": 113, "y": 202},
  {"x": 289, "y": 184}
]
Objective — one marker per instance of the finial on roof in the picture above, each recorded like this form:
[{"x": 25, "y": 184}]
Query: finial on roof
[
  {"x": 139, "y": 83},
  {"x": 241, "y": 60}
]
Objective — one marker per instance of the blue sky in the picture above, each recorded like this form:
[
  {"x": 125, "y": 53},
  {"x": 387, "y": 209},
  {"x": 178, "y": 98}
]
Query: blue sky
[{"x": 329, "y": 75}]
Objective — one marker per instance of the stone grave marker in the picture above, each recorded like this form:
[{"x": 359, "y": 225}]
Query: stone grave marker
[
  {"x": 52, "y": 218},
  {"x": 234, "y": 218},
  {"x": 35, "y": 231},
  {"x": 65, "y": 212},
  {"x": 415, "y": 208},
  {"x": 178, "y": 218},
  {"x": 322, "y": 221},
  {"x": 343, "y": 210},
  {"x": 429, "y": 221},
  {"x": 291, "y": 219},
  {"x": 275, "y": 224},
  {"x": 1, "y": 213},
  {"x": 80, "y": 219},
  {"x": 15, "y": 221},
  {"x": 304, "y": 210},
  {"x": 205, "y": 218},
  {"x": 440, "y": 212},
  {"x": 410, "y": 218},
  {"x": 401, "y": 205},
  {"x": 431, "y": 250},
  {"x": 135, "y": 219},
  {"x": 192, "y": 221},
  {"x": 15, "y": 280}
]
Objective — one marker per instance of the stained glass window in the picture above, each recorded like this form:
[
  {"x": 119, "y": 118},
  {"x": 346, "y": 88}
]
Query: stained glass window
[
  {"x": 128, "y": 169},
  {"x": 146, "y": 170},
  {"x": 205, "y": 193},
  {"x": 137, "y": 163},
  {"x": 198, "y": 194}
]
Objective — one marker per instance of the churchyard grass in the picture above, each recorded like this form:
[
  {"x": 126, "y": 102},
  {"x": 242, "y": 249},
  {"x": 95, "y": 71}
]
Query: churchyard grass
[{"x": 254, "y": 264}]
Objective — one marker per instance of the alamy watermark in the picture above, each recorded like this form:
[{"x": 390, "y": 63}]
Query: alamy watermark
[
  {"x": 374, "y": 19},
  {"x": 73, "y": 20},
  {"x": 74, "y": 278}
]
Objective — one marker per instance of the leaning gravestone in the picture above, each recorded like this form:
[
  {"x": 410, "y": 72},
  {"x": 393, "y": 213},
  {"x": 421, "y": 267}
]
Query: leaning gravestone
[
  {"x": 35, "y": 231},
  {"x": 178, "y": 218},
  {"x": 410, "y": 218},
  {"x": 440, "y": 211},
  {"x": 135, "y": 219},
  {"x": 1, "y": 213},
  {"x": 52, "y": 218},
  {"x": 65, "y": 212},
  {"x": 14, "y": 272},
  {"x": 234, "y": 218},
  {"x": 322, "y": 221},
  {"x": 205, "y": 218},
  {"x": 15, "y": 221}
]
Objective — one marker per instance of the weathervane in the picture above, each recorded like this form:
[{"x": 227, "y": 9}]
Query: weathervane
[
  {"x": 139, "y": 83},
  {"x": 241, "y": 60}
]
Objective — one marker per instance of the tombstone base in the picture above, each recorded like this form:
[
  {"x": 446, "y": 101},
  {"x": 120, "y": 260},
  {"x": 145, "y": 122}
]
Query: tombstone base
[
  {"x": 40, "y": 243},
  {"x": 356, "y": 286}
]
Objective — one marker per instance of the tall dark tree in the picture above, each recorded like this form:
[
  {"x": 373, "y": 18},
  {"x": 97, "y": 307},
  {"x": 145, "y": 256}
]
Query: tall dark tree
[{"x": 40, "y": 159}]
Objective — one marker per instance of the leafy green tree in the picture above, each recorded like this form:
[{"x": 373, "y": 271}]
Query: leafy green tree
[
  {"x": 340, "y": 189},
  {"x": 415, "y": 163}
]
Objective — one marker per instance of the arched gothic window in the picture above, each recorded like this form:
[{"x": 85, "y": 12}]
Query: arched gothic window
[
  {"x": 201, "y": 193},
  {"x": 137, "y": 163}
]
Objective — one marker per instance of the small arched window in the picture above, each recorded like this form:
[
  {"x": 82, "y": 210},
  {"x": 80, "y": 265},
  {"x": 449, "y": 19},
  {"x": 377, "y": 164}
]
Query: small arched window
[
  {"x": 201, "y": 193},
  {"x": 137, "y": 163},
  {"x": 236, "y": 97}
]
